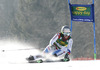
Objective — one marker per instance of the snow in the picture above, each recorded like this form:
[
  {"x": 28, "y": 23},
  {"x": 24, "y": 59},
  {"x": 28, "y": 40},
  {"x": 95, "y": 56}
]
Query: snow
[
  {"x": 12, "y": 57},
  {"x": 72, "y": 65}
]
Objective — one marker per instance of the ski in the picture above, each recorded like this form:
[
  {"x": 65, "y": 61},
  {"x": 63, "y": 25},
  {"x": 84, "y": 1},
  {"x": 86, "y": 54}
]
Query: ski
[{"x": 46, "y": 61}]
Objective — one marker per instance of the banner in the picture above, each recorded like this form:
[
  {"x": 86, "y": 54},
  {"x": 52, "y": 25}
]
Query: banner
[{"x": 82, "y": 13}]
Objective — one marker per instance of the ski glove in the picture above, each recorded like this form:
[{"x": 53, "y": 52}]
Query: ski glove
[{"x": 68, "y": 52}]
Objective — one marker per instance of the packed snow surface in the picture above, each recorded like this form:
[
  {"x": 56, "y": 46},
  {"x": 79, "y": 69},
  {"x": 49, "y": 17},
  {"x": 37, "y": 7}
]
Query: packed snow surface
[{"x": 13, "y": 54}]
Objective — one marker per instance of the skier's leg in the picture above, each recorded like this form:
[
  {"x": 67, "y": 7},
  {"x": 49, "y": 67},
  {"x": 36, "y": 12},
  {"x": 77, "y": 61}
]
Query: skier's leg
[
  {"x": 41, "y": 55},
  {"x": 66, "y": 57},
  {"x": 61, "y": 52},
  {"x": 47, "y": 49}
]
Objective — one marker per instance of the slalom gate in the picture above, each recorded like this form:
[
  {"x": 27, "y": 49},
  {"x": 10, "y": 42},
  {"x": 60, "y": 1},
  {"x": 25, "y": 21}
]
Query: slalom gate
[{"x": 83, "y": 13}]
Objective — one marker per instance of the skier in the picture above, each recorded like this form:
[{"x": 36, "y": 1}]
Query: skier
[{"x": 60, "y": 44}]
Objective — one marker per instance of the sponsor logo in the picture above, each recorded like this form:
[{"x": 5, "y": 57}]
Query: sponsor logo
[{"x": 81, "y": 8}]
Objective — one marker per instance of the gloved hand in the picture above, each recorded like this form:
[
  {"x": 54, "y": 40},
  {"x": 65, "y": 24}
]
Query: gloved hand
[{"x": 68, "y": 52}]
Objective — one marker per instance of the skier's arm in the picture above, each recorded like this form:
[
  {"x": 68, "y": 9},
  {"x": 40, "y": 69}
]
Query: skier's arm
[
  {"x": 48, "y": 48},
  {"x": 69, "y": 47},
  {"x": 55, "y": 37}
]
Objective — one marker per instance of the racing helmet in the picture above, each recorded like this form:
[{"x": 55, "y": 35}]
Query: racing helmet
[{"x": 65, "y": 30}]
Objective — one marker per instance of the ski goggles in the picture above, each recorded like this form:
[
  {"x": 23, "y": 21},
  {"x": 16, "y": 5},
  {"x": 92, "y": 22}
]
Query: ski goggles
[{"x": 67, "y": 33}]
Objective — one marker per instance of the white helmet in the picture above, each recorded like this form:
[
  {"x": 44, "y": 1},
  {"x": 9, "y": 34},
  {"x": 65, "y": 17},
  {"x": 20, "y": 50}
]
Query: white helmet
[{"x": 65, "y": 30}]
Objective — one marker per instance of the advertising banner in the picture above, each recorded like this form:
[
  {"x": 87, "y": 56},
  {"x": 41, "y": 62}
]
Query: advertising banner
[{"x": 84, "y": 13}]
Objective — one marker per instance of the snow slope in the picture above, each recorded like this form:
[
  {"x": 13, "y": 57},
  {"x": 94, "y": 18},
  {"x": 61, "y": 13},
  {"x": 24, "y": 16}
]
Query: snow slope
[
  {"x": 72, "y": 65},
  {"x": 13, "y": 54}
]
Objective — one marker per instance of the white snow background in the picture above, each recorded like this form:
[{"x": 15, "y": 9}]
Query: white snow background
[{"x": 13, "y": 54}]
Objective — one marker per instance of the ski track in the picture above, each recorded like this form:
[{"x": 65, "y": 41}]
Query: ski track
[{"x": 14, "y": 59}]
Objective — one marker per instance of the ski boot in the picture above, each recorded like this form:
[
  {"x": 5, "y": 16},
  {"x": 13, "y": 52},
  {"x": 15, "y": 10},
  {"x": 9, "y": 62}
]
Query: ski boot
[
  {"x": 39, "y": 61},
  {"x": 34, "y": 59},
  {"x": 30, "y": 57},
  {"x": 66, "y": 58}
]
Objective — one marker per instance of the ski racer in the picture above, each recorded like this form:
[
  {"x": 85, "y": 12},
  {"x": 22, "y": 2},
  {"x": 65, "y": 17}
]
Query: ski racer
[{"x": 60, "y": 44}]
